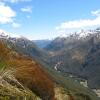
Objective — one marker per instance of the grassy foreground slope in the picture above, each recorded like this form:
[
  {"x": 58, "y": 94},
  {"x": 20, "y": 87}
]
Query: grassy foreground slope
[
  {"x": 12, "y": 89},
  {"x": 28, "y": 72}
]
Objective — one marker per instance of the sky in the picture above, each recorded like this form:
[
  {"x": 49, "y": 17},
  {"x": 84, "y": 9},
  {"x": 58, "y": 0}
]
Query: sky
[{"x": 47, "y": 19}]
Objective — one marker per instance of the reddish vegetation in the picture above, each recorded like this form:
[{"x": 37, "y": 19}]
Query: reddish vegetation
[
  {"x": 31, "y": 74},
  {"x": 71, "y": 97},
  {"x": 3, "y": 51}
]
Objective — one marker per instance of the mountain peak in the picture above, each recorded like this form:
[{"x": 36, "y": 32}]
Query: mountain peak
[
  {"x": 81, "y": 33},
  {"x": 6, "y": 35}
]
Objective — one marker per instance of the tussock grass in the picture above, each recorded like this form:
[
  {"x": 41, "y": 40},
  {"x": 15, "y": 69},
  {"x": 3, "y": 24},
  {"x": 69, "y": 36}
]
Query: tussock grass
[{"x": 12, "y": 89}]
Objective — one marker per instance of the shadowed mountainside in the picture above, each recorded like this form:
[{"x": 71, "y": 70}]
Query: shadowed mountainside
[
  {"x": 77, "y": 56},
  {"x": 42, "y": 43}
]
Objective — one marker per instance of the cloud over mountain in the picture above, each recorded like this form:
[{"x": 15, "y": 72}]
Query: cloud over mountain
[{"x": 81, "y": 23}]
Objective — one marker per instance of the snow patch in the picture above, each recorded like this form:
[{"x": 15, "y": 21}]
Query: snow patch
[
  {"x": 6, "y": 35},
  {"x": 81, "y": 33}
]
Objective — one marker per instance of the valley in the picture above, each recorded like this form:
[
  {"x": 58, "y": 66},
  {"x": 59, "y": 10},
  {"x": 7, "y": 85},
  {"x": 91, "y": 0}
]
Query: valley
[{"x": 63, "y": 70}]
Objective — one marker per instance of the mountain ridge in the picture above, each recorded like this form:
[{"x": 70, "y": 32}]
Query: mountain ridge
[{"x": 71, "y": 55}]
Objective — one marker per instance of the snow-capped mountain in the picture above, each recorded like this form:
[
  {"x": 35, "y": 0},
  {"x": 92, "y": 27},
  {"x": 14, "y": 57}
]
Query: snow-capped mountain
[
  {"x": 6, "y": 35},
  {"x": 77, "y": 54},
  {"x": 86, "y": 33},
  {"x": 68, "y": 41},
  {"x": 81, "y": 33},
  {"x": 22, "y": 45}
]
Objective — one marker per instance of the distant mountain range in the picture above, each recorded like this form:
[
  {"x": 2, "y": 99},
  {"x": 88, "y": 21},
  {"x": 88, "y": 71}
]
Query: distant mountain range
[{"x": 77, "y": 55}]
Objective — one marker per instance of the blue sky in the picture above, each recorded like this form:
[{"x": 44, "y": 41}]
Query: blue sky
[{"x": 46, "y": 19}]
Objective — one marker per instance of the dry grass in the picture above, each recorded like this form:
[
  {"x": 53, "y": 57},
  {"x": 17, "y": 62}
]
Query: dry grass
[
  {"x": 29, "y": 73},
  {"x": 61, "y": 94},
  {"x": 11, "y": 89}
]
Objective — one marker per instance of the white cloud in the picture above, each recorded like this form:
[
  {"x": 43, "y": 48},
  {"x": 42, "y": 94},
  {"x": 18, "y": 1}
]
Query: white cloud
[
  {"x": 6, "y": 14},
  {"x": 81, "y": 23},
  {"x": 15, "y": 25},
  {"x": 15, "y": 1},
  {"x": 96, "y": 13},
  {"x": 27, "y": 9}
]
